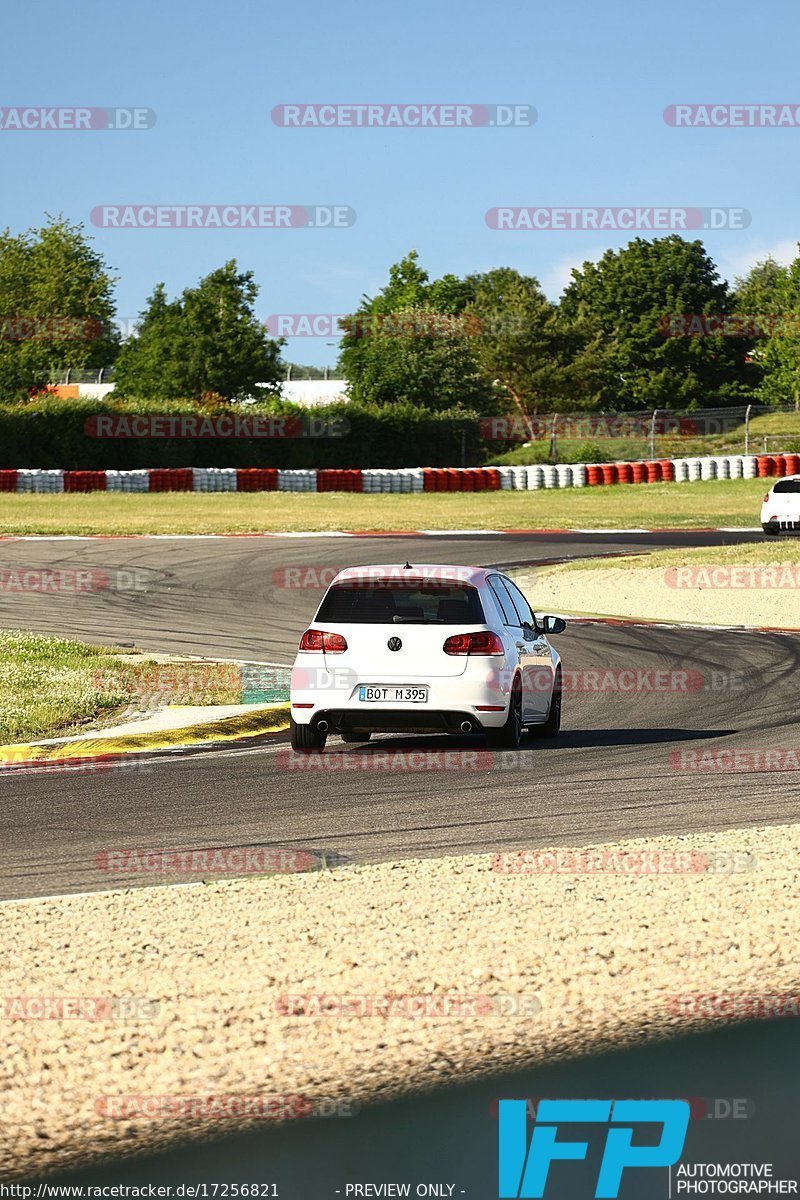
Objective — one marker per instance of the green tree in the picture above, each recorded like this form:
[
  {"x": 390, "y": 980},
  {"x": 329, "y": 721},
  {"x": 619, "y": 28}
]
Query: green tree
[
  {"x": 762, "y": 290},
  {"x": 778, "y": 351},
  {"x": 208, "y": 341},
  {"x": 56, "y": 306},
  {"x": 518, "y": 341},
  {"x": 413, "y": 343},
  {"x": 626, "y": 315}
]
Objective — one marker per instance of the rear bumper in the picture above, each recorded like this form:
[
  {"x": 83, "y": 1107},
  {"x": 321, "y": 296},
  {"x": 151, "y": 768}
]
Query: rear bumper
[
  {"x": 421, "y": 719},
  {"x": 451, "y": 700},
  {"x": 773, "y": 528}
]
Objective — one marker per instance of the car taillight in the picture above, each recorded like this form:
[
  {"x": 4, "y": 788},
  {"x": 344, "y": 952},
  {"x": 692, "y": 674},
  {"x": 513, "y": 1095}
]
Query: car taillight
[
  {"x": 766, "y": 498},
  {"x": 474, "y": 643},
  {"x": 318, "y": 639}
]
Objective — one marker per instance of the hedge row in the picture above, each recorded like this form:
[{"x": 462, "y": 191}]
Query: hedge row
[{"x": 57, "y": 434}]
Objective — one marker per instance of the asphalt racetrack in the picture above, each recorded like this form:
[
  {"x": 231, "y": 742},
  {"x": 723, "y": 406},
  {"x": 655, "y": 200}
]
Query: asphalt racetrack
[{"x": 624, "y": 765}]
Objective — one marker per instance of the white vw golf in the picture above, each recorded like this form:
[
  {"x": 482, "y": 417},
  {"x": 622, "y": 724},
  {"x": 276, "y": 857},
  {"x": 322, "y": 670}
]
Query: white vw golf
[
  {"x": 425, "y": 649},
  {"x": 780, "y": 512}
]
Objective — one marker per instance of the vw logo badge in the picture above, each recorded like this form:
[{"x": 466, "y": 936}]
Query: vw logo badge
[{"x": 394, "y": 643}]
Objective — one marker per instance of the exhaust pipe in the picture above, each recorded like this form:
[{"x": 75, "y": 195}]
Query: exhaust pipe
[
  {"x": 466, "y": 726},
  {"x": 322, "y": 726}
]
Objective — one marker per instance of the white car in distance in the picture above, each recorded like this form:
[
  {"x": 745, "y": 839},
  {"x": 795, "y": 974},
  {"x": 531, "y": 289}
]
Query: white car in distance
[
  {"x": 780, "y": 511},
  {"x": 425, "y": 649}
]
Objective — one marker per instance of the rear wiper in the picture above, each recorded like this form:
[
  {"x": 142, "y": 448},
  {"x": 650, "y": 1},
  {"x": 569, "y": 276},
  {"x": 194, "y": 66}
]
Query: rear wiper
[{"x": 414, "y": 621}]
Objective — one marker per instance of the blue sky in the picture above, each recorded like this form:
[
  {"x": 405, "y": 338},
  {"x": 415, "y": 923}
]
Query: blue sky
[{"x": 598, "y": 75}]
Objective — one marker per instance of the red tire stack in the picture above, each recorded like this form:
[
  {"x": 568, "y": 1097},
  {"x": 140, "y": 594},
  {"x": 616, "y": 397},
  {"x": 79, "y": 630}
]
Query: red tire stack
[
  {"x": 84, "y": 481},
  {"x": 625, "y": 472},
  {"x": 172, "y": 479},
  {"x": 334, "y": 479},
  {"x": 594, "y": 476},
  {"x": 257, "y": 479},
  {"x": 610, "y": 473},
  {"x": 8, "y": 481},
  {"x": 639, "y": 470}
]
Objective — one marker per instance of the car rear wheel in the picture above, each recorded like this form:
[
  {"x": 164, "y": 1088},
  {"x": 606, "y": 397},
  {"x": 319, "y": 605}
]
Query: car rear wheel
[
  {"x": 305, "y": 738},
  {"x": 509, "y": 735},
  {"x": 352, "y": 736},
  {"x": 553, "y": 723}
]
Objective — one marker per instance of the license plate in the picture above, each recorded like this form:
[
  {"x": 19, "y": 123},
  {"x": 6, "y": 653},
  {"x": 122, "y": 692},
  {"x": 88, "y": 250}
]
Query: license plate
[{"x": 393, "y": 695}]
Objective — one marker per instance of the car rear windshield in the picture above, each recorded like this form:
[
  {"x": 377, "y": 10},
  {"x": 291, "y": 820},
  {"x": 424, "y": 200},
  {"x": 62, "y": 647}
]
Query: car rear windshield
[
  {"x": 396, "y": 602},
  {"x": 787, "y": 485}
]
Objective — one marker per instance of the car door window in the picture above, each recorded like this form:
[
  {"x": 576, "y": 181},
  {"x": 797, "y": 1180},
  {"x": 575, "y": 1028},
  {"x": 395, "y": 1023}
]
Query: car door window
[
  {"x": 520, "y": 603},
  {"x": 504, "y": 600}
]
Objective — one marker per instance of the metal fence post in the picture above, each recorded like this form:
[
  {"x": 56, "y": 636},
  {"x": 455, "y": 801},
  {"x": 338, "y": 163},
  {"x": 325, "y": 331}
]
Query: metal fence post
[{"x": 747, "y": 429}]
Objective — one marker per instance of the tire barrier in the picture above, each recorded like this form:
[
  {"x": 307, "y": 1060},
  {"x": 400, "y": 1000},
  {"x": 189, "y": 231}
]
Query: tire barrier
[
  {"x": 403, "y": 479},
  {"x": 339, "y": 481},
  {"x": 128, "y": 481},
  {"x": 40, "y": 481},
  {"x": 214, "y": 479},
  {"x": 84, "y": 481},
  {"x": 297, "y": 481},
  {"x": 257, "y": 479},
  {"x": 172, "y": 479}
]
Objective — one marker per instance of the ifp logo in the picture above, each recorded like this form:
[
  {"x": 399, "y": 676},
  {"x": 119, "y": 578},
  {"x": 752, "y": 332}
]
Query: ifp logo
[{"x": 524, "y": 1169}]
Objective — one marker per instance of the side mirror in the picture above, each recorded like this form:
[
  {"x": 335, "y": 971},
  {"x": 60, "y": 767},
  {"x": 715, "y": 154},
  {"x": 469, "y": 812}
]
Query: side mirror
[{"x": 553, "y": 624}]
